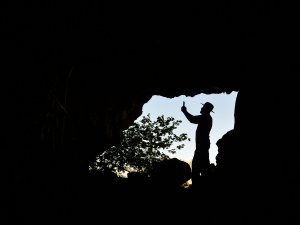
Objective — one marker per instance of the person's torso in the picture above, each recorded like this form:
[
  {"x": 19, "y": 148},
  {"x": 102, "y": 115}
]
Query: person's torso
[{"x": 204, "y": 127}]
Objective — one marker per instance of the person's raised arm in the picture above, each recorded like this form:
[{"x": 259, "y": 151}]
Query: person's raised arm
[
  {"x": 183, "y": 108},
  {"x": 190, "y": 117}
]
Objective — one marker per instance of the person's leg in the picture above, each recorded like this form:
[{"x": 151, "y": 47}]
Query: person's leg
[
  {"x": 204, "y": 159},
  {"x": 205, "y": 167},
  {"x": 196, "y": 169}
]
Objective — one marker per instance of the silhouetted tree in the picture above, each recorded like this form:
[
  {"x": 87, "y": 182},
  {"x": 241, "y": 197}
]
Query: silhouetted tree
[{"x": 142, "y": 146}]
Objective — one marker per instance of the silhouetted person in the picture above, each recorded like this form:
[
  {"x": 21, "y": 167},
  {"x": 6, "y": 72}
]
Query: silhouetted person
[{"x": 200, "y": 162}]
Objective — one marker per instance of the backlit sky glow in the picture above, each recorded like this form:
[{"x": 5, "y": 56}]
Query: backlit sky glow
[{"x": 223, "y": 118}]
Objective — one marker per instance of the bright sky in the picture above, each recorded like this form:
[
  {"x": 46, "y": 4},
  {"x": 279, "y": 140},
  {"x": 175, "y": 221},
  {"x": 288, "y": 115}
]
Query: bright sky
[{"x": 223, "y": 118}]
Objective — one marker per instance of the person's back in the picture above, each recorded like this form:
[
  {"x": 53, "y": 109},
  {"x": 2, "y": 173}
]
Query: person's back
[{"x": 203, "y": 128}]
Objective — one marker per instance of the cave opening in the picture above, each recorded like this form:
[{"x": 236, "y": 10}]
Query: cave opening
[{"x": 223, "y": 121}]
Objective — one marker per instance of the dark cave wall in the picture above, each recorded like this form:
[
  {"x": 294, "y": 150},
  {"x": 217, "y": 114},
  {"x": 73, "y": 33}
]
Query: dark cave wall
[
  {"x": 55, "y": 122},
  {"x": 262, "y": 125}
]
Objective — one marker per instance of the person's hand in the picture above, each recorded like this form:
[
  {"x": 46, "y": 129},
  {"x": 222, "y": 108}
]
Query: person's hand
[{"x": 183, "y": 108}]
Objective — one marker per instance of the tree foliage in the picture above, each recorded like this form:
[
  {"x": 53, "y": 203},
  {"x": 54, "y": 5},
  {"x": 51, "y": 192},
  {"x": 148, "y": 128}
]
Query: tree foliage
[{"x": 144, "y": 143}]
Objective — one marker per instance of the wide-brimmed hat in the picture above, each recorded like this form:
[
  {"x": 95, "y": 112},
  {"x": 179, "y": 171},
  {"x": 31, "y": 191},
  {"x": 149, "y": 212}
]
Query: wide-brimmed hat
[{"x": 209, "y": 106}]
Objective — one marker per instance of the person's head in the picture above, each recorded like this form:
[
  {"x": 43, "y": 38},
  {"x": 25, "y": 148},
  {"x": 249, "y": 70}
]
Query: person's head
[{"x": 207, "y": 108}]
